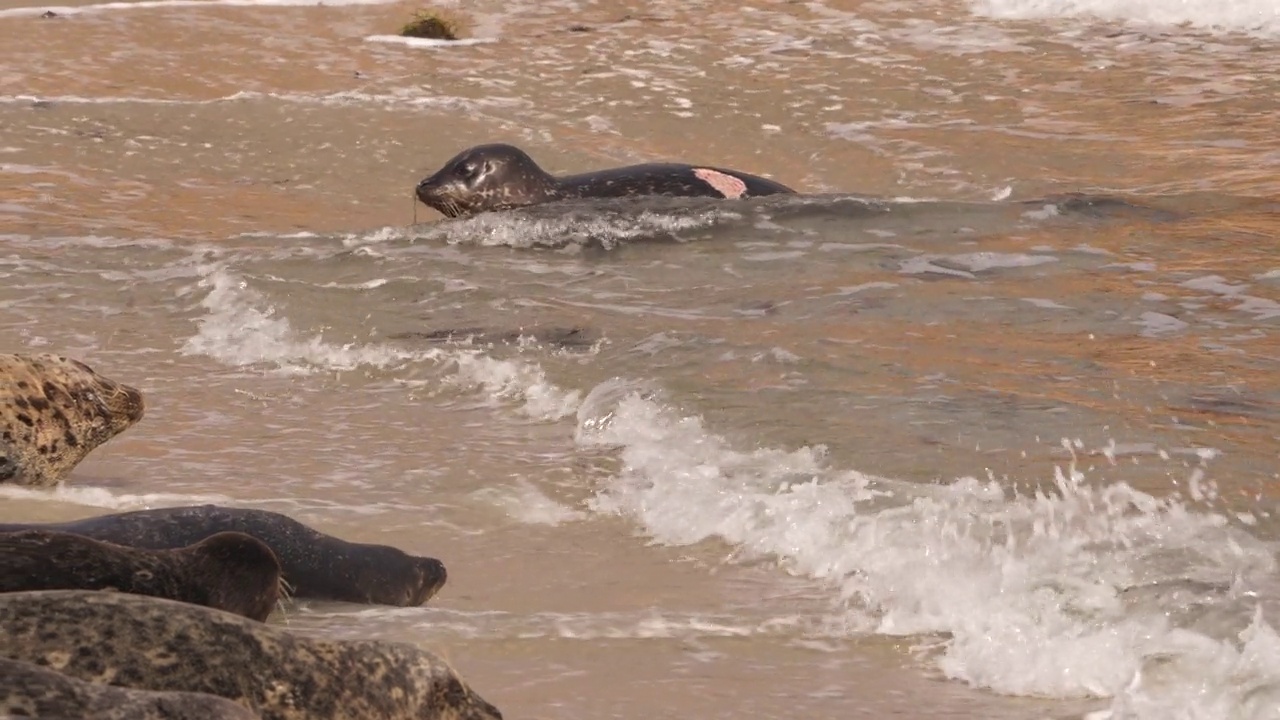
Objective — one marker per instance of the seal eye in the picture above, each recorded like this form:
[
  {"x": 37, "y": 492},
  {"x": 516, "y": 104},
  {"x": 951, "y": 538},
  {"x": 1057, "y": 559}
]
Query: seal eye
[{"x": 469, "y": 170}]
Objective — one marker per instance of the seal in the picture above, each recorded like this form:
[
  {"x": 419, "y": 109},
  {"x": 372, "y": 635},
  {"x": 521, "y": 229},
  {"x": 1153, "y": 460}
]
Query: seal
[
  {"x": 53, "y": 412},
  {"x": 230, "y": 571},
  {"x": 499, "y": 177},
  {"x": 569, "y": 338},
  {"x": 315, "y": 565},
  {"x": 33, "y": 691},
  {"x": 148, "y": 643}
]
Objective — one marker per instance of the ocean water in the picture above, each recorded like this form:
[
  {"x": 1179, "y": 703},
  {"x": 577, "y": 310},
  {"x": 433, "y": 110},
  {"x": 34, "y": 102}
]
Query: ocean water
[{"x": 984, "y": 425}]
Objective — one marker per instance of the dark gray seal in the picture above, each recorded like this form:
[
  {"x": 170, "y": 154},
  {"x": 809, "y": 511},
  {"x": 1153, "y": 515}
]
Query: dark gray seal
[
  {"x": 315, "y": 565},
  {"x": 147, "y": 643},
  {"x": 572, "y": 338},
  {"x": 499, "y": 177},
  {"x": 33, "y": 691},
  {"x": 229, "y": 571},
  {"x": 53, "y": 412}
]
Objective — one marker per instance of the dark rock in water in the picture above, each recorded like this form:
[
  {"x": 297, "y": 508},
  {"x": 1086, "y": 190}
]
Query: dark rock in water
[
  {"x": 564, "y": 337},
  {"x": 146, "y": 643},
  {"x": 315, "y": 565},
  {"x": 39, "y": 692}
]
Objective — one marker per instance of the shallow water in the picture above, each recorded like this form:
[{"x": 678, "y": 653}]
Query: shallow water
[{"x": 958, "y": 445}]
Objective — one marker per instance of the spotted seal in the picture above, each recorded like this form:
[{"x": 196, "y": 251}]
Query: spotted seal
[
  {"x": 53, "y": 412},
  {"x": 499, "y": 177},
  {"x": 33, "y": 691},
  {"x": 230, "y": 571},
  {"x": 314, "y": 564},
  {"x": 154, "y": 644}
]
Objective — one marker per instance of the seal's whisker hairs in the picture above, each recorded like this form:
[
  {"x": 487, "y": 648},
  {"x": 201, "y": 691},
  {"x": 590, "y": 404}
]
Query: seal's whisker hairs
[{"x": 283, "y": 597}]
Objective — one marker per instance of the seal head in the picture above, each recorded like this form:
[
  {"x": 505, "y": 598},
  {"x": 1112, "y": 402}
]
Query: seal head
[
  {"x": 54, "y": 411},
  {"x": 229, "y": 571},
  {"x": 487, "y": 177}
]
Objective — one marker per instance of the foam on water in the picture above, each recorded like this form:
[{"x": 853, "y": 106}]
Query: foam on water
[
  {"x": 103, "y": 498},
  {"x": 1078, "y": 591},
  {"x": 1258, "y": 17},
  {"x": 644, "y": 625},
  {"x": 578, "y": 223},
  {"x": 524, "y": 502},
  {"x": 242, "y": 329},
  {"x": 237, "y": 331},
  {"x": 432, "y": 43}
]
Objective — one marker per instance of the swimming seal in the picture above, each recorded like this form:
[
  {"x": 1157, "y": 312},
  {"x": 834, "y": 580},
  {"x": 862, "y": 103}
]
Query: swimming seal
[
  {"x": 229, "y": 571},
  {"x": 499, "y": 177},
  {"x": 53, "y": 412},
  {"x": 149, "y": 643},
  {"x": 576, "y": 338},
  {"x": 33, "y": 691},
  {"x": 314, "y": 564}
]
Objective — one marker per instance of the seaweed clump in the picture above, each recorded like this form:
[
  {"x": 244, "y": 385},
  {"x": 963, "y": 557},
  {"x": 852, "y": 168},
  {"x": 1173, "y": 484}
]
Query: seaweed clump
[{"x": 432, "y": 24}]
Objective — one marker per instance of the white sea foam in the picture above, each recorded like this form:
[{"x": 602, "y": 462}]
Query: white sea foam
[
  {"x": 103, "y": 498},
  {"x": 524, "y": 502},
  {"x": 433, "y": 43},
  {"x": 162, "y": 4},
  {"x": 241, "y": 328},
  {"x": 1071, "y": 592},
  {"x": 507, "y": 380},
  {"x": 240, "y": 331},
  {"x": 571, "y": 223},
  {"x": 645, "y": 625},
  {"x": 1260, "y": 17}
]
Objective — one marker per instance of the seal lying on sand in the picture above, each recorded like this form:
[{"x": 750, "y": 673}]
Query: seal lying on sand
[
  {"x": 497, "y": 177},
  {"x": 148, "y": 643},
  {"x": 230, "y": 571},
  {"x": 53, "y": 412},
  {"x": 33, "y": 691},
  {"x": 315, "y": 565}
]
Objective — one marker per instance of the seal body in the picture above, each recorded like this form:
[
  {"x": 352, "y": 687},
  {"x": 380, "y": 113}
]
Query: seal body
[
  {"x": 148, "y": 643},
  {"x": 53, "y": 412},
  {"x": 230, "y": 571},
  {"x": 499, "y": 177},
  {"x": 33, "y": 691},
  {"x": 315, "y": 565}
]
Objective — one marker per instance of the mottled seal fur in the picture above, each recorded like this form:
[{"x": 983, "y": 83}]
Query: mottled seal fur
[
  {"x": 498, "y": 177},
  {"x": 53, "y": 412},
  {"x": 315, "y": 565},
  {"x": 33, "y": 691},
  {"x": 148, "y": 643},
  {"x": 229, "y": 571}
]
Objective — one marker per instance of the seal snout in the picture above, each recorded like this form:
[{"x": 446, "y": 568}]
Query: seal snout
[
  {"x": 433, "y": 192},
  {"x": 129, "y": 401},
  {"x": 433, "y": 577}
]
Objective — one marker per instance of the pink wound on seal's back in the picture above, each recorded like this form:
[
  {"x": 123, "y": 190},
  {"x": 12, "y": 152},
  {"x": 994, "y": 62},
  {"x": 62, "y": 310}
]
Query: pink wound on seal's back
[{"x": 727, "y": 185}]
